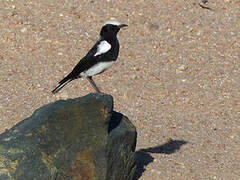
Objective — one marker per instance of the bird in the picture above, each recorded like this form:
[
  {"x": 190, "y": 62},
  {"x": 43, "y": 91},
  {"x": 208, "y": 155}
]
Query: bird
[{"x": 99, "y": 58}]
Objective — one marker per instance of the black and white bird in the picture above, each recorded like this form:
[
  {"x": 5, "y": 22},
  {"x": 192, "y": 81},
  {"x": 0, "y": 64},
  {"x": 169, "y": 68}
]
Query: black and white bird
[{"x": 99, "y": 58}]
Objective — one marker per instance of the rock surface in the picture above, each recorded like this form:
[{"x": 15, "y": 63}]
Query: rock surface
[{"x": 80, "y": 138}]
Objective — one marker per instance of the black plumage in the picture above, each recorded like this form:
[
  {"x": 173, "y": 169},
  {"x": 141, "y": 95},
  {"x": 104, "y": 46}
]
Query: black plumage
[{"x": 100, "y": 57}]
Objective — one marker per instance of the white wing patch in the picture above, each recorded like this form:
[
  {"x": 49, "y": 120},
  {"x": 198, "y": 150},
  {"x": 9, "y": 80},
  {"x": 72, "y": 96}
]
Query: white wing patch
[
  {"x": 103, "y": 47},
  {"x": 96, "y": 69}
]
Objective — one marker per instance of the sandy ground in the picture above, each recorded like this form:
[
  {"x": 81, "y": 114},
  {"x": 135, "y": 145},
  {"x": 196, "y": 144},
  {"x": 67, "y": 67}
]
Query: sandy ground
[{"x": 177, "y": 77}]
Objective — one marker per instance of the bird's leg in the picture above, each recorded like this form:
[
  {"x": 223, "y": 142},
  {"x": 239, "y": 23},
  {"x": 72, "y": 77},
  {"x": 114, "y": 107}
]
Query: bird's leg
[{"x": 93, "y": 84}]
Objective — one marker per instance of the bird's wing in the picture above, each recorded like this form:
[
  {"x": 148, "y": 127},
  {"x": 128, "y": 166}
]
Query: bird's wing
[
  {"x": 90, "y": 59},
  {"x": 101, "y": 47}
]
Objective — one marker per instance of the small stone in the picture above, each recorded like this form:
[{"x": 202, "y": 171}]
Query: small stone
[
  {"x": 134, "y": 76},
  {"x": 23, "y": 30},
  {"x": 11, "y": 14},
  {"x": 181, "y": 68},
  {"x": 154, "y": 26},
  {"x": 232, "y": 136}
]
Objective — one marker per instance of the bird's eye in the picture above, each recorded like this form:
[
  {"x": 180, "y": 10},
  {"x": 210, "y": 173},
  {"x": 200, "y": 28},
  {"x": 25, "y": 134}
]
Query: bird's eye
[{"x": 114, "y": 28}]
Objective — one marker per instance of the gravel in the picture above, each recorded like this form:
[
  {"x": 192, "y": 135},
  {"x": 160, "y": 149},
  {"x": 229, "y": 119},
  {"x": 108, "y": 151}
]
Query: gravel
[{"x": 177, "y": 77}]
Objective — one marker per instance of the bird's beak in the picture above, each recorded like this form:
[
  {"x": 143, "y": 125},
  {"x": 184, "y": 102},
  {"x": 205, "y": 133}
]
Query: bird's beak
[{"x": 122, "y": 25}]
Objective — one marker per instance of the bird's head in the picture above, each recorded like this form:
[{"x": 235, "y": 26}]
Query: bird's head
[{"x": 111, "y": 28}]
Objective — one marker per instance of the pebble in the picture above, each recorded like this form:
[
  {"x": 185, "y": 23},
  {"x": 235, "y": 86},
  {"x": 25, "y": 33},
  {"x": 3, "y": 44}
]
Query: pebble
[
  {"x": 154, "y": 26},
  {"x": 181, "y": 68},
  {"x": 23, "y": 30}
]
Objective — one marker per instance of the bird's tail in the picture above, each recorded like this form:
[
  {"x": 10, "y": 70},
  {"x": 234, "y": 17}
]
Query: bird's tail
[{"x": 61, "y": 85}]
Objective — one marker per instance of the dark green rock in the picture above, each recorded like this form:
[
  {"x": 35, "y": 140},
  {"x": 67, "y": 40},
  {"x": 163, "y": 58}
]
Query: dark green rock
[{"x": 75, "y": 139}]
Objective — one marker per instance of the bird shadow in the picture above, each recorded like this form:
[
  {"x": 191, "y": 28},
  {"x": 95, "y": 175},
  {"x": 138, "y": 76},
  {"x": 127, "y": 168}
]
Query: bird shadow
[{"x": 144, "y": 157}]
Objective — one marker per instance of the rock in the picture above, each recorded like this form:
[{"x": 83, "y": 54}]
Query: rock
[
  {"x": 23, "y": 30},
  {"x": 74, "y": 139},
  {"x": 154, "y": 26},
  {"x": 181, "y": 68}
]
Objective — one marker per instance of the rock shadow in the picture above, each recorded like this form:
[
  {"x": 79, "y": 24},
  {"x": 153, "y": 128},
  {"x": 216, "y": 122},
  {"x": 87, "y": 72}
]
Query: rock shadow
[
  {"x": 114, "y": 121},
  {"x": 143, "y": 156}
]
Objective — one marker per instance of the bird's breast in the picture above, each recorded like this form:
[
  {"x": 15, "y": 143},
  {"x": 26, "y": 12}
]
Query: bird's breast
[{"x": 97, "y": 68}]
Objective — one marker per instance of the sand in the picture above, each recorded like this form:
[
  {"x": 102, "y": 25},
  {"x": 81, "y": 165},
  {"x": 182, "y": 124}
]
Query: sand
[{"x": 177, "y": 77}]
